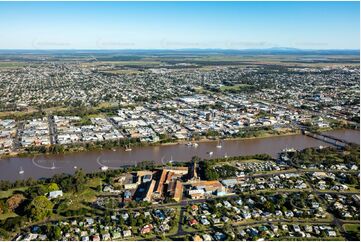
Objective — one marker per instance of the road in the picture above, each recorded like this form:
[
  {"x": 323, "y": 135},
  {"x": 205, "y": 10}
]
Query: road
[
  {"x": 295, "y": 169},
  {"x": 17, "y": 139},
  {"x": 52, "y": 130}
]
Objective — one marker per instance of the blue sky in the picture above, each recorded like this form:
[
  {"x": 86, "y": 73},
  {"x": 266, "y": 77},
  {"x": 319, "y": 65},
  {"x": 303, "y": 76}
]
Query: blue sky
[{"x": 170, "y": 25}]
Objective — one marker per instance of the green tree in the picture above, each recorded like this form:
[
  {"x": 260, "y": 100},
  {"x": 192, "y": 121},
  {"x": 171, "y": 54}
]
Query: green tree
[
  {"x": 3, "y": 207},
  {"x": 40, "y": 208},
  {"x": 4, "y": 235},
  {"x": 269, "y": 206},
  {"x": 132, "y": 221},
  {"x": 79, "y": 180},
  {"x": 53, "y": 187},
  {"x": 53, "y": 232},
  {"x": 38, "y": 190}
]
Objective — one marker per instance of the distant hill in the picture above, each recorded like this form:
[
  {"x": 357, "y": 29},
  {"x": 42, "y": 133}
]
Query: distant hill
[{"x": 180, "y": 52}]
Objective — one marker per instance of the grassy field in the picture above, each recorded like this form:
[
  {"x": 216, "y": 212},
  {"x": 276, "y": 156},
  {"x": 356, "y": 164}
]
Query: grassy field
[
  {"x": 88, "y": 195},
  {"x": 145, "y": 62},
  {"x": 237, "y": 87},
  {"x": 55, "y": 109},
  {"x": 127, "y": 72},
  {"x": 12, "y": 64},
  {"x": 104, "y": 105},
  {"x": 77, "y": 200},
  {"x": 18, "y": 114},
  {"x": 352, "y": 227},
  {"x": 212, "y": 60},
  {"x": 137, "y": 63},
  {"x": 52, "y": 110},
  {"x": 234, "y": 162},
  {"x": 7, "y": 215},
  {"x": 275, "y": 172},
  {"x": 277, "y": 59},
  {"x": 177, "y": 218},
  {"x": 8, "y": 193}
]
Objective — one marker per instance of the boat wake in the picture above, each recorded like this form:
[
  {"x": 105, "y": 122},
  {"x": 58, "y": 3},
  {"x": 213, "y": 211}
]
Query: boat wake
[
  {"x": 36, "y": 163},
  {"x": 103, "y": 163},
  {"x": 164, "y": 161}
]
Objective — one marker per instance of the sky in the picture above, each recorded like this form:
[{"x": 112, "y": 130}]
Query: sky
[{"x": 177, "y": 25}]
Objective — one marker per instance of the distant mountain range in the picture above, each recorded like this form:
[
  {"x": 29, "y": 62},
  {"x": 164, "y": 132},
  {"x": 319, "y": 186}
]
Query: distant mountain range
[{"x": 268, "y": 51}]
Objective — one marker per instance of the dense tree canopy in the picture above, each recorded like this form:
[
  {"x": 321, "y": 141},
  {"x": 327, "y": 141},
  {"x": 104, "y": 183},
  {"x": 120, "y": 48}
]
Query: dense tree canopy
[
  {"x": 40, "y": 208},
  {"x": 53, "y": 187}
]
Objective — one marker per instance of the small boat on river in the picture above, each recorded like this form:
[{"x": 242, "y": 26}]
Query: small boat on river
[
  {"x": 104, "y": 168},
  {"x": 21, "y": 171}
]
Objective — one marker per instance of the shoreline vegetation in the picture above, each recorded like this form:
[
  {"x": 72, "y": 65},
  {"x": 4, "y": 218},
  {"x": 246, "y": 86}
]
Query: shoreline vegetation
[
  {"x": 247, "y": 134},
  {"x": 6, "y": 185},
  {"x": 85, "y": 186},
  {"x": 116, "y": 144}
]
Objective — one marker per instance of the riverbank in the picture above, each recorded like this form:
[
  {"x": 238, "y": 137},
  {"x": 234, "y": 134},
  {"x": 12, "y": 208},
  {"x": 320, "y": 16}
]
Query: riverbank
[
  {"x": 43, "y": 166},
  {"x": 48, "y": 165},
  {"x": 203, "y": 139},
  {"x": 82, "y": 146}
]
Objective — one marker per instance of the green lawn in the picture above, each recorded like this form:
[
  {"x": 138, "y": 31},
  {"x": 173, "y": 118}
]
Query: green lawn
[
  {"x": 93, "y": 183},
  {"x": 174, "y": 229},
  {"x": 234, "y": 87},
  {"x": 350, "y": 191},
  {"x": 7, "y": 215},
  {"x": 77, "y": 200},
  {"x": 189, "y": 229},
  {"x": 8, "y": 193},
  {"x": 352, "y": 227},
  {"x": 353, "y": 188}
]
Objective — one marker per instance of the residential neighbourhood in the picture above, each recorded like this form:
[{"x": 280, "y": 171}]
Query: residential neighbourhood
[
  {"x": 307, "y": 193},
  {"x": 224, "y": 102},
  {"x": 180, "y": 121},
  {"x": 181, "y": 200}
]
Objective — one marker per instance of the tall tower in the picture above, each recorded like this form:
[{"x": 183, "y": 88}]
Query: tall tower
[{"x": 193, "y": 175}]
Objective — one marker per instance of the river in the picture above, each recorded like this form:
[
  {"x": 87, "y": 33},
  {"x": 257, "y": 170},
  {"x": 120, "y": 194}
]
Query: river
[
  {"x": 346, "y": 134},
  {"x": 49, "y": 165}
]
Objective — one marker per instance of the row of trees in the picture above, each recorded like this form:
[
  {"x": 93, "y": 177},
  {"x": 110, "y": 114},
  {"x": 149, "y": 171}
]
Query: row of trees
[
  {"x": 99, "y": 145},
  {"x": 328, "y": 155},
  {"x": 6, "y": 185}
]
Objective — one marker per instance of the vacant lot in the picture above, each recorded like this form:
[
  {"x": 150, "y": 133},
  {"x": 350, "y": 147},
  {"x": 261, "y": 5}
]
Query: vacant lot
[{"x": 237, "y": 87}]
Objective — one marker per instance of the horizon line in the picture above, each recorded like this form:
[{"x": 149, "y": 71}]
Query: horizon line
[{"x": 269, "y": 48}]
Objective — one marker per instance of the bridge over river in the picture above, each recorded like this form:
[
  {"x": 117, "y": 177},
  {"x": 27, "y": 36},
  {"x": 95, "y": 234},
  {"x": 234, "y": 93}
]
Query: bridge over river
[
  {"x": 90, "y": 161},
  {"x": 339, "y": 142}
]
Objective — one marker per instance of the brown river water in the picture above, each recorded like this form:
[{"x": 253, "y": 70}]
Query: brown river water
[{"x": 48, "y": 165}]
